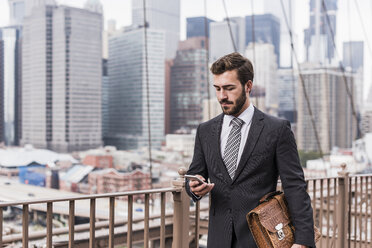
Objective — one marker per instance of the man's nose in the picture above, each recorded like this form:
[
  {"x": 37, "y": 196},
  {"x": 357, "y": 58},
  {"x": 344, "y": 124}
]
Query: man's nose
[{"x": 222, "y": 94}]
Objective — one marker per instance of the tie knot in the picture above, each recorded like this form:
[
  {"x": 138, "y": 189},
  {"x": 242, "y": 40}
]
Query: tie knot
[{"x": 236, "y": 122}]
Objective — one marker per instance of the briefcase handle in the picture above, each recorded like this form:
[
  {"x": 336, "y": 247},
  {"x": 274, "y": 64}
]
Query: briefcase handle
[{"x": 270, "y": 195}]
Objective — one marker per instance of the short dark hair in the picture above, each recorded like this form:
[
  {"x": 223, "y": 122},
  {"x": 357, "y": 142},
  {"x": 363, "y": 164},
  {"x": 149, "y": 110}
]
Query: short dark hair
[{"x": 234, "y": 61}]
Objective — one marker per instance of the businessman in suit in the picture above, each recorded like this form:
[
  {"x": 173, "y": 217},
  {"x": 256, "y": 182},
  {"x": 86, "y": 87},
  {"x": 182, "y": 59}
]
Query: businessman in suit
[{"x": 243, "y": 152}]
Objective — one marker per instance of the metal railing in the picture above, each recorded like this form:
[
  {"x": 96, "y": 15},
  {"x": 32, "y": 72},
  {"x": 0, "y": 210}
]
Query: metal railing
[
  {"x": 342, "y": 211},
  {"x": 181, "y": 206}
]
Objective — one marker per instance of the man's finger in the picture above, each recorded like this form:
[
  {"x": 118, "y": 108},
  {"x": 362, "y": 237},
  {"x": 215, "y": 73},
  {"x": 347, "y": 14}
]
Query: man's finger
[
  {"x": 199, "y": 188},
  {"x": 193, "y": 183},
  {"x": 206, "y": 190}
]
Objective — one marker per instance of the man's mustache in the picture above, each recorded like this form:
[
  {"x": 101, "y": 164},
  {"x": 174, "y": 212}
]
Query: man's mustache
[{"x": 225, "y": 101}]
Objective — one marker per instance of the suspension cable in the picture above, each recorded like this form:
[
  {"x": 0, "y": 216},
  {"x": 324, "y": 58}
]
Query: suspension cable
[
  {"x": 254, "y": 48},
  {"x": 206, "y": 32},
  {"x": 228, "y": 24},
  {"x": 147, "y": 89}
]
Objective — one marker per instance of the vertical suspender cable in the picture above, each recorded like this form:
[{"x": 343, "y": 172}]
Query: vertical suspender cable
[
  {"x": 294, "y": 92},
  {"x": 206, "y": 32},
  {"x": 147, "y": 89},
  {"x": 327, "y": 88},
  {"x": 254, "y": 49},
  {"x": 228, "y": 24}
]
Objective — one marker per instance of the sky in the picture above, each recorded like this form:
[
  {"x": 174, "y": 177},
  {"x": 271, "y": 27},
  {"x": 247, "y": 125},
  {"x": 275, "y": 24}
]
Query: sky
[{"x": 349, "y": 26}]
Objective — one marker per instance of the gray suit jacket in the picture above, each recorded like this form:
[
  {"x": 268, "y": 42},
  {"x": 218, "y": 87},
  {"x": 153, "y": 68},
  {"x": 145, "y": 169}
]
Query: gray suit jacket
[{"x": 270, "y": 152}]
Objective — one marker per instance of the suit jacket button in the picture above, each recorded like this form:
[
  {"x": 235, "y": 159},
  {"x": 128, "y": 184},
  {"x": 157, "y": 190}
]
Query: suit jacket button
[{"x": 229, "y": 210}]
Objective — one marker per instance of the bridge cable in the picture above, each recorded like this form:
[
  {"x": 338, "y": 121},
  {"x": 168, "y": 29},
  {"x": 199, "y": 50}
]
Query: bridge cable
[
  {"x": 228, "y": 24},
  {"x": 254, "y": 49},
  {"x": 206, "y": 32},
  {"x": 145, "y": 25}
]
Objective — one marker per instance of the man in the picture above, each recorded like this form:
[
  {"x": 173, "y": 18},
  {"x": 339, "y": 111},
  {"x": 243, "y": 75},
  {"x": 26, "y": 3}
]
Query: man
[{"x": 243, "y": 152}]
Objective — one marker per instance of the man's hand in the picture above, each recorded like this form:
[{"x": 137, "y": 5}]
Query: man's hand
[
  {"x": 298, "y": 246},
  {"x": 200, "y": 189}
]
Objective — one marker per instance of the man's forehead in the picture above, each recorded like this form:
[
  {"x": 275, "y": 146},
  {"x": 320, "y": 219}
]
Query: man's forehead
[{"x": 225, "y": 79}]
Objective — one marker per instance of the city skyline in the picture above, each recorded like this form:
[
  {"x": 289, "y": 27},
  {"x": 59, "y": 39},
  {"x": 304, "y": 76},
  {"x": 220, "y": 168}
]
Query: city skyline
[
  {"x": 126, "y": 65},
  {"x": 347, "y": 13}
]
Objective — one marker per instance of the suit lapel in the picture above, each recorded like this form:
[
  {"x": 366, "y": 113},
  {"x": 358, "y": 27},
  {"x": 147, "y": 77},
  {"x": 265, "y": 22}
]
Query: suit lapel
[
  {"x": 253, "y": 135},
  {"x": 216, "y": 146}
]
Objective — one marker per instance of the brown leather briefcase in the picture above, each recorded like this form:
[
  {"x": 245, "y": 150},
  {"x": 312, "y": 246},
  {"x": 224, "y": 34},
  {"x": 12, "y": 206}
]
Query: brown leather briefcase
[{"x": 270, "y": 222}]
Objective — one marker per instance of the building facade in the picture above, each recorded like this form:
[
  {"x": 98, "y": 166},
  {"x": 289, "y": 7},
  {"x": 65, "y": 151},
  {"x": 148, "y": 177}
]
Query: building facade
[
  {"x": 287, "y": 94},
  {"x": 62, "y": 76},
  {"x": 331, "y": 110},
  {"x": 265, "y": 68},
  {"x": 11, "y": 37},
  {"x": 188, "y": 85},
  {"x": 128, "y": 122},
  {"x": 196, "y": 26},
  {"x": 353, "y": 59},
  {"x": 1, "y": 90},
  {"x": 353, "y": 55},
  {"x": 16, "y": 12},
  {"x": 105, "y": 97},
  {"x": 111, "y": 181}
]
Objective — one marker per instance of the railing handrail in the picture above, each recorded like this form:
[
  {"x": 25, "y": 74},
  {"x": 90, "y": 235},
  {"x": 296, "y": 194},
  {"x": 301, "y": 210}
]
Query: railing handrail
[
  {"x": 88, "y": 197},
  {"x": 360, "y": 175}
]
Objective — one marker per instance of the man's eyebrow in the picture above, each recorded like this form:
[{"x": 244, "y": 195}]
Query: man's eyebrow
[{"x": 225, "y": 86}]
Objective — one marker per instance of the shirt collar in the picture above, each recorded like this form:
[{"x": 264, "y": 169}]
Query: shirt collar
[{"x": 246, "y": 115}]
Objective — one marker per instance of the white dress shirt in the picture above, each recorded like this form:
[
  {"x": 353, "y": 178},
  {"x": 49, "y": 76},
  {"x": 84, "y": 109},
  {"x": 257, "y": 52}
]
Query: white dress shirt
[{"x": 246, "y": 116}]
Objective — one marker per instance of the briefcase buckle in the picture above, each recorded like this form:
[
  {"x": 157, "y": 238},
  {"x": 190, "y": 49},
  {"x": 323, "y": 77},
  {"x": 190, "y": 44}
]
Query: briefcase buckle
[{"x": 279, "y": 231}]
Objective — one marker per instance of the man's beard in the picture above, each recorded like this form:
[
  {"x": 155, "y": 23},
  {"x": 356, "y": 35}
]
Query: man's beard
[{"x": 237, "y": 106}]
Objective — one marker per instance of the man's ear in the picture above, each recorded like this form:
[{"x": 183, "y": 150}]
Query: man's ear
[{"x": 249, "y": 86}]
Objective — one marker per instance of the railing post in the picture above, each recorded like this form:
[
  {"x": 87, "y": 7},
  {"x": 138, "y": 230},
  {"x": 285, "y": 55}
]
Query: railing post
[
  {"x": 342, "y": 207},
  {"x": 181, "y": 212}
]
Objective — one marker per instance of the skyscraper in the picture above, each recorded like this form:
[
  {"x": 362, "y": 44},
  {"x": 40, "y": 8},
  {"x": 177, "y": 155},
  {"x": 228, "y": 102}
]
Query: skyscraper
[
  {"x": 318, "y": 37},
  {"x": 1, "y": 91},
  {"x": 162, "y": 15},
  {"x": 366, "y": 115},
  {"x": 220, "y": 40},
  {"x": 265, "y": 68},
  {"x": 331, "y": 110},
  {"x": 11, "y": 37},
  {"x": 353, "y": 55},
  {"x": 188, "y": 84},
  {"x": 196, "y": 26},
  {"x": 287, "y": 94},
  {"x": 353, "y": 59},
  {"x": 128, "y": 122},
  {"x": 16, "y": 11},
  {"x": 62, "y": 74},
  {"x": 266, "y": 30},
  {"x": 105, "y": 97}
]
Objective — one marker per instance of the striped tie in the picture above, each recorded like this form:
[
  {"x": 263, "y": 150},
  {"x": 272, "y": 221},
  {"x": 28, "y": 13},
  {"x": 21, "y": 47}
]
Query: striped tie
[{"x": 232, "y": 146}]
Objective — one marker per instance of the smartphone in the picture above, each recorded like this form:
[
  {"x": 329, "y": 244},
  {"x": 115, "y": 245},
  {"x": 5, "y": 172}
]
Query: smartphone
[{"x": 192, "y": 177}]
